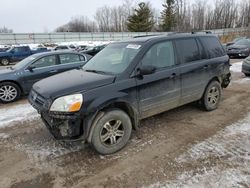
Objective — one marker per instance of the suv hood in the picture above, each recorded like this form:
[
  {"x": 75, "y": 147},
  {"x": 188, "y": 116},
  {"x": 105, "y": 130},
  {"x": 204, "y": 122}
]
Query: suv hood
[{"x": 71, "y": 82}]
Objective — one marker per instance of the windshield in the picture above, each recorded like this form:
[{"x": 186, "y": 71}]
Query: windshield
[
  {"x": 113, "y": 59},
  {"x": 24, "y": 62},
  {"x": 243, "y": 42}
]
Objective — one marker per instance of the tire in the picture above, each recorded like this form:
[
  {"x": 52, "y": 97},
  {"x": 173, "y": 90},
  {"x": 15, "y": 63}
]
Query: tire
[
  {"x": 211, "y": 97},
  {"x": 111, "y": 132},
  {"x": 9, "y": 92},
  {"x": 5, "y": 62}
]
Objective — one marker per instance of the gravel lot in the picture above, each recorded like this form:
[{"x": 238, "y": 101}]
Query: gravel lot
[{"x": 184, "y": 147}]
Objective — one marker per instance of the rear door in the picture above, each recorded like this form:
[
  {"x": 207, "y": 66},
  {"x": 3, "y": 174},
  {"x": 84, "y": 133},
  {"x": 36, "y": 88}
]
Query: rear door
[
  {"x": 194, "y": 69},
  {"x": 70, "y": 61},
  {"x": 161, "y": 90}
]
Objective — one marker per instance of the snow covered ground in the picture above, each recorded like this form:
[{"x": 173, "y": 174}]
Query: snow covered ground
[
  {"x": 236, "y": 67},
  {"x": 17, "y": 114},
  {"x": 231, "y": 149}
]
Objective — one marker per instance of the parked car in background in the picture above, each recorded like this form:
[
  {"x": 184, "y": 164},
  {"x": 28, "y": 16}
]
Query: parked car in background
[
  {"x": 246, "y": 66},
  {"x": 64, "y": 47},
  {"x": 93, "y": 50},
  {"x": 18, "y": 53},
  {"x": 81, "y": 48},
  {"x": 18, "y": 80},
  {"x": 241, "y": 48},
  {"x": 129, "y": 81},
  {"x": 234, "y": 41},
  {"x": 4, "y": 49}
]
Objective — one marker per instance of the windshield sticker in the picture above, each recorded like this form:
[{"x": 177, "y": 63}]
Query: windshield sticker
[{"x": 133, "y": 46}]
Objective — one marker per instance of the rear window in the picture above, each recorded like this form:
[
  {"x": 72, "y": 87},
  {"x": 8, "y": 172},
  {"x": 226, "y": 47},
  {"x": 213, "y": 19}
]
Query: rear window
[
  {"x": 213, "y": 47},
  {"x": 188, "y": 49}
]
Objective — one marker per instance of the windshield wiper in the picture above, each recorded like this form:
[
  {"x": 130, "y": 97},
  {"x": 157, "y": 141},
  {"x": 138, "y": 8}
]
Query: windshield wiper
[{"x": 96, "y": 71}]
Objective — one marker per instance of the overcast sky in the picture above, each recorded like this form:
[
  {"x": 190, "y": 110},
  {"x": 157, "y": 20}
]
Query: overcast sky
[{"x": 45, "y": 15}]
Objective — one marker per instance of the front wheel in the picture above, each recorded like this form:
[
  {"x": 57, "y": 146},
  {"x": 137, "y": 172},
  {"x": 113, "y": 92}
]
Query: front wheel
[
  {"x": 9, "y": 92},
  {"x": 5, "y": 62},
  {"x": 211, "y": 97},
  {"x": 112, "y": 132}
]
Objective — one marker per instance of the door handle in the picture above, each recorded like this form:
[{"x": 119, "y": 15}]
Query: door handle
[
  {"x": 53, "y": 71},
  {"x": 205, "y": 67},
  {"x": 172, "y": 76}
]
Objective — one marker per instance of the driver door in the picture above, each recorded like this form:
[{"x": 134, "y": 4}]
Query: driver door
[
  {"x": 42, "y": 68},
  {"x": 161, "y": 90}
]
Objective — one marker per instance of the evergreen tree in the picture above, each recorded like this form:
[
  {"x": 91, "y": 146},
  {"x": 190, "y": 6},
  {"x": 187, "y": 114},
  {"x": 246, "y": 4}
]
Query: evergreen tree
[
  {"x": 168, "y": 16},
  {"x": 142, "y": 20}
]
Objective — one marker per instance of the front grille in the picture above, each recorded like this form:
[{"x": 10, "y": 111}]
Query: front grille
[{"x": 36, "y": 100}]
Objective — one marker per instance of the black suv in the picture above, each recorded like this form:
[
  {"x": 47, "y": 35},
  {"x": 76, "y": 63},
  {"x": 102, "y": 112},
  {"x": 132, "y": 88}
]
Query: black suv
[{"x": 129, "y": 81}]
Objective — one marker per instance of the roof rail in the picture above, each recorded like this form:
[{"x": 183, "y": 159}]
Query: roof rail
[
  {"x": 207, "y": 32},
  {"x": 152, "y": 35}
]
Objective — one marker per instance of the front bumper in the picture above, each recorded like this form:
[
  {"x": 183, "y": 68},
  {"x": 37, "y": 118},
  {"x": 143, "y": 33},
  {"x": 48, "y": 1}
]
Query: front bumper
[
  {"x": 238, "y": 53},
  {"x": 63, "y": 126},
  {"x": 246, "y": 67}
]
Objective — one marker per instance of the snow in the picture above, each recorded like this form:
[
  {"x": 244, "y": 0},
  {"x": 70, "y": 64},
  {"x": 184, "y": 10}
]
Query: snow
[
  {"x": 236, "y": 67},
  {"x": 231, "y": 146},
  {"x": 17, "y": 113}
]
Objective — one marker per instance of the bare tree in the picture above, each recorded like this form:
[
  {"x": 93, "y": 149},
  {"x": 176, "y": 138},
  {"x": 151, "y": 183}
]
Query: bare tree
[
  {"x": 78, "y": 24},
  {"x": 5, "y": 30}
]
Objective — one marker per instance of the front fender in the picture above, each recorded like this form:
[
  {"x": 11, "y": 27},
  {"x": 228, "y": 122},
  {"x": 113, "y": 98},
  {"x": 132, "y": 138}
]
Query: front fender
[{"x": 103, "y": 101}]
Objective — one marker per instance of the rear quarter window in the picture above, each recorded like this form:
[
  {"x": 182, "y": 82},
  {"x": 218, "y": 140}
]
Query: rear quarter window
[{"x": 213, "y": 47}]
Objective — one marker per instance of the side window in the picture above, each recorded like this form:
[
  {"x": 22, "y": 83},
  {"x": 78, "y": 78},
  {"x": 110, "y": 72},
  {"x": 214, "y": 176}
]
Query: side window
[
  {"x": 213, "y": 47},
  {"x": 45, "y": 61},
  {"x": 188, "y": 49},
  {"x": 69, "y": 58},
  {"x": 160, "y": 55}
]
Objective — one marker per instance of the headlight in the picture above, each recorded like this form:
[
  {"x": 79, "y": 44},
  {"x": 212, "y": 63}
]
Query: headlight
[{"x": 70, "y": 103}]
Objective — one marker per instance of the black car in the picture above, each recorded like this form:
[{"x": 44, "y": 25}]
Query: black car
[
  {"x": 129, "y": 81},
  {"x": 235, "y": 40},
  {"x": 240, "y": 48},
  {"x": 18, "y": 80},
  {"x": 246, "y": 66},
  {"x": 93, "y": 50}
]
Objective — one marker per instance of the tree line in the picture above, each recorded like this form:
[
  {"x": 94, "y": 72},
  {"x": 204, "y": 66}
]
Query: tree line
[{"x": 176, "y": 15}]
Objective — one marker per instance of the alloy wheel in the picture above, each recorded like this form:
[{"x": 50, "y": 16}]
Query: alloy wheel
[
  {"x": 213, "y": 96},
  {"x": 112, "y": 132},
  {"x": 8, "y": 93}
]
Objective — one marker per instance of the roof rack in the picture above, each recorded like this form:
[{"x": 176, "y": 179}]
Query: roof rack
[
  {"x": 207, "y": 32},
  {"x": 153, "y": 35}
]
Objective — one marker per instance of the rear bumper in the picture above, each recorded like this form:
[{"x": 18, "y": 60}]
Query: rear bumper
[{"x": 226, "y": 80}]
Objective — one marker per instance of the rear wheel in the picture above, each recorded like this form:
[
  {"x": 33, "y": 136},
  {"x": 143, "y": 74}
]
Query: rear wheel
[
  {"x": 5, "y": 62},
  {"x": 212, "y": 96},
  {"x": 9, "y": 92},
  {"x": 112, "y": 132}
]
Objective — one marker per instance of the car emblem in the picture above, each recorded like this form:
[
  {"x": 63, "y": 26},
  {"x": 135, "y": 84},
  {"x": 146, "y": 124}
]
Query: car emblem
[{"x": 34, "y": 96}]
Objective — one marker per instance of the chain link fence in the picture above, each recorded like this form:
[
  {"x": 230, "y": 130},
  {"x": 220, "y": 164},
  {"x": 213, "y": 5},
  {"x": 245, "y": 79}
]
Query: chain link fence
[{"x": 37, "y": 38}]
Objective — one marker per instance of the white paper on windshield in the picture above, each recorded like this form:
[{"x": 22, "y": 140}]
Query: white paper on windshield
[{"x": 133, "y": 46}]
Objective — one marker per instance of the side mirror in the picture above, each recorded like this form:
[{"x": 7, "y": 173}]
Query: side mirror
[
  {"x": 31, "y": 67},
  {"x": 146, "y": 70}
]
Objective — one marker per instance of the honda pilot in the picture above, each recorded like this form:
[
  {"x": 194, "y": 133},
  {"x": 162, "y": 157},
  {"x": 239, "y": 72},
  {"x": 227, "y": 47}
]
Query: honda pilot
[{"x": 129, "y": 81}]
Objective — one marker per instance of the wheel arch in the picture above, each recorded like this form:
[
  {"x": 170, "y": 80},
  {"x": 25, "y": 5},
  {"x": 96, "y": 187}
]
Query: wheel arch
[
  {"x": 113, "y": 104},
  {"x": 15, "y": 82}
]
